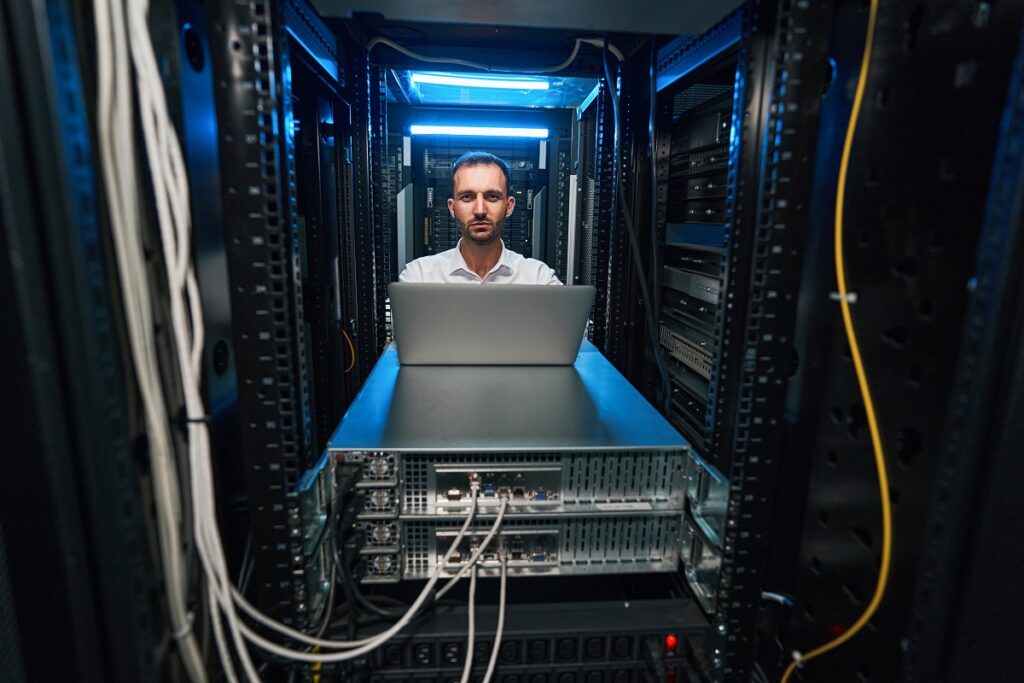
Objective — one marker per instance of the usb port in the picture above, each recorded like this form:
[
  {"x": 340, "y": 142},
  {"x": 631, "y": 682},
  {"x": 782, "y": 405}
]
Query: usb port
[
  {"x": 538, "y": 557},
  {"x": 489, "y": 490},
  {"x": 540, "y": 495},
  {"x": 454, "y": 494}
]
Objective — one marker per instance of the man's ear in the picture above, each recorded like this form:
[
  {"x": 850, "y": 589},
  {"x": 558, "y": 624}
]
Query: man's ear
[
  {"x": 511, "y": 205},
  {"x": 451, "y": 206}
]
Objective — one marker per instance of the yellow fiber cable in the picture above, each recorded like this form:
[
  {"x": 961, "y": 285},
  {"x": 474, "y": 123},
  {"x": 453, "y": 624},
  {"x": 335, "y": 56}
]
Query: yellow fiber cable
[
  {"x": 858, "y": 364},
  {"x": 352, "y": 350}
]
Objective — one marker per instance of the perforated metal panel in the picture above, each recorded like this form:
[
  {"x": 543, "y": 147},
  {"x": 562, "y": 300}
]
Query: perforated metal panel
[
  {"x": 586, "y": 545},
  {"x": 696, "y": 95},
  {"x": 586, "y": 479}
]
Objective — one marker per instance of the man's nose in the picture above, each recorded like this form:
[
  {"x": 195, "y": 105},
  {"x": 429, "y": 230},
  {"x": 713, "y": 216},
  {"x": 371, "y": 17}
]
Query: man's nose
[{"x": 479, "y": 207}]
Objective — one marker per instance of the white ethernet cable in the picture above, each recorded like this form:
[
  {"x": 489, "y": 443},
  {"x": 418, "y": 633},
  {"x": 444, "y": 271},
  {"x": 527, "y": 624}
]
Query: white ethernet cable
[
  {"x": 502, "y": 598},
  {"x": 170, "y": 186},
  {"x": 479, "y": 551},
  {"x": 249, "y": 609},
  {"x": 116, "y": 137},
  {"x": 218, "y": 636},
  {"x": 467, "y": 668},
  {"x": 598, "y": 42},
  {"x": 379, "y": 639}
]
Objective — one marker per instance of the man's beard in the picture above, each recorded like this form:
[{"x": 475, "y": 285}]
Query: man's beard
[{"x": 491, "y": 237}]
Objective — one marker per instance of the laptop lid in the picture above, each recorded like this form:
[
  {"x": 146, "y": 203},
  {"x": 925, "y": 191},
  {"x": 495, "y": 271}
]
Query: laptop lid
[{"x": 454, "y": 324}]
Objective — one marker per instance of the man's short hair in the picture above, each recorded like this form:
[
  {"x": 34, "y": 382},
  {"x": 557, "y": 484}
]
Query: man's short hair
[{"x": 478, "y": 158}]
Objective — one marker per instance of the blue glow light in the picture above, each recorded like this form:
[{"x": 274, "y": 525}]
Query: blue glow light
[
  {"x": 479, "y": 131},
  {"x": 470, "y": 82}
]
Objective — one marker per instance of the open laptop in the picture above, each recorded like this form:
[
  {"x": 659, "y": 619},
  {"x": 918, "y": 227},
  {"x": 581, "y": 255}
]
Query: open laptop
[{"x": 445, "y": 324}]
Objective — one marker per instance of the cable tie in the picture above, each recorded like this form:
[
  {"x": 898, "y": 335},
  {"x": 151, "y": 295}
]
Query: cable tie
[
  {"x": 777, "y": 597},
  {"x": 186, "y": 629},
  {"x": 798, "y": 657},
  {"x": 849, "y": 297}
]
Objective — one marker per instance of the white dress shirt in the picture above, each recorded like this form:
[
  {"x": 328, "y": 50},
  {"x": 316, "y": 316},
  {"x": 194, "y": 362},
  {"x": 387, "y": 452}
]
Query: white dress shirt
[{"x": 449, "y": 267}]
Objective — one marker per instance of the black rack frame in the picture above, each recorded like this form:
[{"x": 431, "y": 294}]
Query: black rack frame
[
  {"x": 779, "y": 79},
  {"x": 251, "y": 65},
  {"x": 912, "y": 273}
]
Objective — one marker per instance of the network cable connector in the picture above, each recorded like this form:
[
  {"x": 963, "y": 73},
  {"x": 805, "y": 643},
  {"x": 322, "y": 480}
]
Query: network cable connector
[{"x": 586, "y": 478}]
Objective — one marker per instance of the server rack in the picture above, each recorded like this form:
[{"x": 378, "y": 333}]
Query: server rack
[
  {"x": 293, "y": 202},
  {"x": 439, "y": 230},
  {"x": 533, "y": 229},
  {"x": 735, "y": 108},
  {"x": 591, "y": 505},
  {"x": 776, "y": 279}
]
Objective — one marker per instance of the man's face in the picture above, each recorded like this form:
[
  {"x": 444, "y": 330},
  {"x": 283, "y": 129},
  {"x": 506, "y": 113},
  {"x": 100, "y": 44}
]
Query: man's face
[{"x": 481, "y": 202}]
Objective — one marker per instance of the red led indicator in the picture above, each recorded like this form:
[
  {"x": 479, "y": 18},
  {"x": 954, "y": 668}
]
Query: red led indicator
[{"x": 670, "y": 642}]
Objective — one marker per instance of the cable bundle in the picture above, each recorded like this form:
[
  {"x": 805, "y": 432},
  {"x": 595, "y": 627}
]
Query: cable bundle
[{"x": 124, "y": 44}]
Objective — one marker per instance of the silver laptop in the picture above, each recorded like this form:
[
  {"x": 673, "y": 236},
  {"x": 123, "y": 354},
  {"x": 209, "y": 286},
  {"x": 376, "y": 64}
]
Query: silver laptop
[{"x": 436, "y": 324}]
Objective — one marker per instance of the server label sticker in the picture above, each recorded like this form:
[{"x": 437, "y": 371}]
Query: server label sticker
[{"x": 623, "y": 506}]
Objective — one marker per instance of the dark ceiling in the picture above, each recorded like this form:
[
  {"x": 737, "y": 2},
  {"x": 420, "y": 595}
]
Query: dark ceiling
[{"x": 667, "y": 17}]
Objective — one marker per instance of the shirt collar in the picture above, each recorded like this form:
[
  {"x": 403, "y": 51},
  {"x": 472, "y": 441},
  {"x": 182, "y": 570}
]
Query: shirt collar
[{"x": 457, "y": 262}]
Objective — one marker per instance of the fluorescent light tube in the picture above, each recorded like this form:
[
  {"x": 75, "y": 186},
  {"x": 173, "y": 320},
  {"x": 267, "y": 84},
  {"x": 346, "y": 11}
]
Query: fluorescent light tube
[
  {"x": 479, "y": 131},
  {"x": 471, "y": 82}
]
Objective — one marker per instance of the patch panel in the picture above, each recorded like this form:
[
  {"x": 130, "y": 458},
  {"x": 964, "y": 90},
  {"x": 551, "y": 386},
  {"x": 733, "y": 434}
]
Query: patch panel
[{"x": 693, "y": 350}]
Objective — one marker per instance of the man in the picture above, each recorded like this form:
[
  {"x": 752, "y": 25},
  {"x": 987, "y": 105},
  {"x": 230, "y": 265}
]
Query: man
[{"x": 481, "y": 201}]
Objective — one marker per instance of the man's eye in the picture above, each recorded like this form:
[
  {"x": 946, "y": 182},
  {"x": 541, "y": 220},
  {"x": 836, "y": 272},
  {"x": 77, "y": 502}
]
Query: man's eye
[{"x": 494, "y": 197}]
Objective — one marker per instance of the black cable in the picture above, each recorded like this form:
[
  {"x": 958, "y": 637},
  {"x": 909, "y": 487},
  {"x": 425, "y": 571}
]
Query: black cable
[
  {"x": 627, "y": 214},
  {"x": 352, "y": 591},
  {"x": 350, "y": 622}
]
